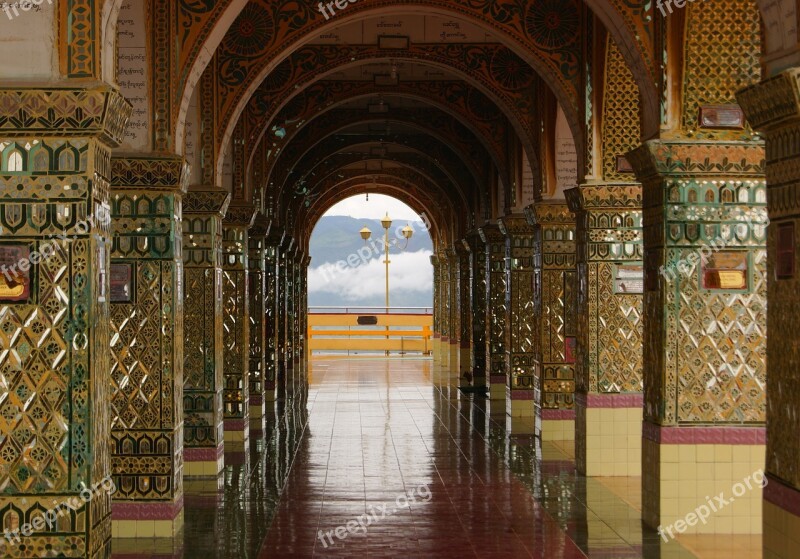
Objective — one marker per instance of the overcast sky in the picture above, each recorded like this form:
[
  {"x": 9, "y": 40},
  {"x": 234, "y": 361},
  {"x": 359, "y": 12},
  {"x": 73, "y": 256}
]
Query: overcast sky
[
  {"x": 376, "y": 208},
  {"x": 410, "y": 271}
]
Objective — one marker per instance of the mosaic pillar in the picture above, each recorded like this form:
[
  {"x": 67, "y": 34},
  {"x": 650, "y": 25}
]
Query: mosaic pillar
[
  {"x": 271, "y": 314},
  {"x": 520, "y": 334},
  {"x": 288, "y": 316},
  {"x": 464, "y": 292},
  {"x": 303, "y": 329},
  {"x": 608, "y": 368},
  {"x": 280, "y": 283},
  {"x": 495, "y": 244},
  {"x": 147, "y": 344},
  {"x": 445, "y": 322},
  {"x": 236, "y": 327},
  {"x": 256, "y": 239},
  {"x": 54, "y": 331},
  {"x": 705, "y": 333},
  {"x": 296, "y": 309},
  {"x": 555, "y": 315},
  {"x": 436, "y": 341},
  {"x": 479, "y": 305},
  {"x": 773, "y": 107},
  {"x": 454, "y": 351},
  {"x": 203, "y": 439}
]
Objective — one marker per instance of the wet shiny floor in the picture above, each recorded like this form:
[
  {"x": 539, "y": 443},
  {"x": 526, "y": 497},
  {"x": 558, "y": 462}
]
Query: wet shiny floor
[{"x": 378, "y": 462}]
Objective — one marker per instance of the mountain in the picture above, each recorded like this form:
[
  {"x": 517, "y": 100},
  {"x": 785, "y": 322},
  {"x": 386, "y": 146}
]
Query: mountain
[{"x": 362, "y": 281}]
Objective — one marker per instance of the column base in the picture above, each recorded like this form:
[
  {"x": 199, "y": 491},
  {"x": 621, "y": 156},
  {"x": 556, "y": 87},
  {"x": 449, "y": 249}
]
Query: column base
[
  {"x": 519, "y": 403},
  {"x": 497, "y": 388},
  {"x": 237, "y": 433},
  {"x": 455, "y": 362},
  {"x": 201, "y": 463},
  {"x": 147, "y": 520},
  {"x": 444, "y": 353},
  {"x": 270, "y": 395},
  {"x": 202, "y": 491},
  {"x": 685, "y": 468},
  {"x": 781, "y": 520},
  {"x": 608, "y": 434},
  {"x": 518, "y": 426},
  {"x": 256, "y": 408},
  {"x": 555, "y": 425}
]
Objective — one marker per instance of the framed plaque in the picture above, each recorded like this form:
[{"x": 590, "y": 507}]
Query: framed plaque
[
  {"x": 121, "y": 283},
  {"x": 15, "y": 276},
  {"x": 726, "y": 271},
  {"x": 628, "y": 279}
]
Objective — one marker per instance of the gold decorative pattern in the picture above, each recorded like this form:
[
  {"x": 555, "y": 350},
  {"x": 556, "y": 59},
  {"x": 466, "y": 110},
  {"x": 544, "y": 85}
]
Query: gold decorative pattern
[
  {"x": 705, "y": 350},
  {"x": 147, "y": 331},
  {"x": 555, "y": 300},
  {"x": 54, "y": 420},
  {"x": 620, "y": 116},
  {"x": 521, "y": 338},
  {"x": 721, "y": 57},
  {"x": 496, "y": 285},
  {"x": 203, "y": 211},
  {"x": 773, "y": 107},
  {"x": 609, "y": 231}
]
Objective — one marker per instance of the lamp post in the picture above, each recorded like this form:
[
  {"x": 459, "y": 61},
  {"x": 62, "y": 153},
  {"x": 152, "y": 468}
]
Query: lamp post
[{"x": 366, "y": 234}]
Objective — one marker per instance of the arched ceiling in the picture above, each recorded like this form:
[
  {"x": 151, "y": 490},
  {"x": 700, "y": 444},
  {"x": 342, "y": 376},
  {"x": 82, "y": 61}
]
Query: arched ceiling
[{"x": 455, "y": 88}]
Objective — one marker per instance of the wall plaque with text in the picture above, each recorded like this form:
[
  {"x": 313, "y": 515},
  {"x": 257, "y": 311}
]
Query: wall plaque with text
[
  {"x": 629, "y": 280},
  {"x": 726, "y": 270},
  {"x": 15, "y": 278},
  {"x": 121, "y": 283}
]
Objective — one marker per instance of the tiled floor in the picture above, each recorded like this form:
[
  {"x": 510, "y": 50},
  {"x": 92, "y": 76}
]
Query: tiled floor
[{"x": 415, "y": 471}]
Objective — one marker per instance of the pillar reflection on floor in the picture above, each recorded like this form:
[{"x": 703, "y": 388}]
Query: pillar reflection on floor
[{"x": 371, "y": 431}]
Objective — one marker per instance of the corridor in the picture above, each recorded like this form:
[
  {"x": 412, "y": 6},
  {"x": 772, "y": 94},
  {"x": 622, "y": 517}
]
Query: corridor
[{"x": 375, "y": 432}]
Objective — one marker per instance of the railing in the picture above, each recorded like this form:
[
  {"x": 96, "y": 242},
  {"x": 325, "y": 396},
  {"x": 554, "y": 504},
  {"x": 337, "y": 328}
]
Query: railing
[{"x": 370, "y": 330}]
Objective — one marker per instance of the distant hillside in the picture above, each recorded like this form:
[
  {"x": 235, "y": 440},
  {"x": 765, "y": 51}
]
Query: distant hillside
[{"x": 337, "y": 237}]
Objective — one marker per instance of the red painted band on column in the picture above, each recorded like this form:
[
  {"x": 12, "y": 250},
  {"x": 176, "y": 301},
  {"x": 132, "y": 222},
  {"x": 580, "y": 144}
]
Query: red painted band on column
[
  {"x": 626, "y": 400},
  {"x": 704, "y": 435},
  {"x": 781, "y": 495},
  {"x": 146, "y": 511},
  {"x": 558, "y": 414},
  {"x": 210, "y": 454}
]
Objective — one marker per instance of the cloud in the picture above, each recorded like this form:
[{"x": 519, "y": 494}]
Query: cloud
[
  {"x": 408, "y": 272},
  {"x": 376, "y": 208}
]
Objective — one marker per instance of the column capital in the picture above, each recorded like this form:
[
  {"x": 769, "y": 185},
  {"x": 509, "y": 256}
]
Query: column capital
[
  {"x": 542, "y": 214},
  {"x": 490, "y": 233},
  {"x": 515, "y": 226},
  {"x": 774, "y": 102},
  {"x": 472, "y": 241},
  {"x": 698, "y": 158},
  {"x": 149, "y": 171},
  {"x": 240, "y": 215},
  {"x": 607, "y": 196},
  {"x": 260, "y": 227},
  {"x": 210, "y": 200},
  {"x": 50, "y": 111}
]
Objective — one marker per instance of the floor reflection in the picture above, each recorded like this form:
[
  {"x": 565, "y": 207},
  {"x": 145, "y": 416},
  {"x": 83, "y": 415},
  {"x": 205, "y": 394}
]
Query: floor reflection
[{"x": 331, "y": 475}]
